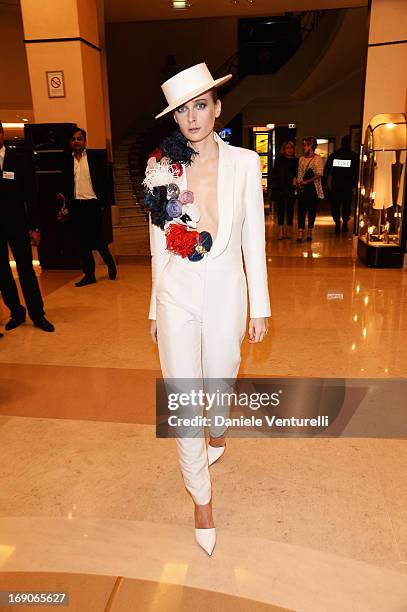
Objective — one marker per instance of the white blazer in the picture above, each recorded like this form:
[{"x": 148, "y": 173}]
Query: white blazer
[{"x": 240, "y": 226}]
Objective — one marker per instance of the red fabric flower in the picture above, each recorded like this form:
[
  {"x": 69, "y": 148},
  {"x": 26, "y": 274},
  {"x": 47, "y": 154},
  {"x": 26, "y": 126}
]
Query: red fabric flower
[
  {"x": 157, "y": 153},
  {"x": 179, "y": 240},
  {"x": 177, "y": 168}
]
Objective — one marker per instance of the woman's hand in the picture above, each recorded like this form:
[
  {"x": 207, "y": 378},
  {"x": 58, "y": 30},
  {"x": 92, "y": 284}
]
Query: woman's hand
[
  {"x": 258, "y": 329},
  {"x": 153, "y": 331}
]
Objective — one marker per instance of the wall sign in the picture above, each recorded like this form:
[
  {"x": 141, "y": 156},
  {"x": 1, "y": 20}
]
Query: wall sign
[{"x": 56, "y": 84}]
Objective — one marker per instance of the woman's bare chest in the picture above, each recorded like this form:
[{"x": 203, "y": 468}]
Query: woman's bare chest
[{"x": 203, "y": 182}]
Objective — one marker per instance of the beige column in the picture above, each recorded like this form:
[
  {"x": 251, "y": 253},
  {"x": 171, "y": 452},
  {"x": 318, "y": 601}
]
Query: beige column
[
  {"x": 64, "y": 35},
  {"x": 386, "y": 73}
]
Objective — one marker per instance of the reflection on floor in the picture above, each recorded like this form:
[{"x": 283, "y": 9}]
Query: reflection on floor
[
  {"x": 88, "y": 492},
  {"x": 95, "y": 593}
]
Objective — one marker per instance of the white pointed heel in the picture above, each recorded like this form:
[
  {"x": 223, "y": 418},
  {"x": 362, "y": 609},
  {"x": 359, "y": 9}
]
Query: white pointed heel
[
  {"x": 206, "y": 539},
  {"x": 215, "y": 453}
]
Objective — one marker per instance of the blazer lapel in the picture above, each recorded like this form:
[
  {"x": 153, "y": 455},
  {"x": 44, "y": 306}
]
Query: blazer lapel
[
  {"x": 226, "y": 185},
  {"x": 225, "y": 194}
]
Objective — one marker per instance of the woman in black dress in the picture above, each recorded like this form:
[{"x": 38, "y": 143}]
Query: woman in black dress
[{"x": 283, "y": 187}]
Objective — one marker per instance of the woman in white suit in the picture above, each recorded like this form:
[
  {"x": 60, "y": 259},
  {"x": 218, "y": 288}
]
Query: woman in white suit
[{"x": 206, "y": 205}]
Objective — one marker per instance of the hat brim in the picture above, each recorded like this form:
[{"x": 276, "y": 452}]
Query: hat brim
[{"x": 194, "y": 94}]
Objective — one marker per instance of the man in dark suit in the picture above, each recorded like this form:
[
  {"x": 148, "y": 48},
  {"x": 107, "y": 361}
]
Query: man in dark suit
[
  {"x": 86, "y": 192},
  {"x": 341, "y": 173},
  {"x": 19, "y": 228}
]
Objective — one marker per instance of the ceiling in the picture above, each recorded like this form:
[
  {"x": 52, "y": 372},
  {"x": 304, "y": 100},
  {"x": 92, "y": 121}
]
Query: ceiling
[{"x": 150, "y": 10}]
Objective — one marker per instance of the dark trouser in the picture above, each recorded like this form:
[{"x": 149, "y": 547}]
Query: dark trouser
[
  {"x": 21, "y": 249},
  {"x": 285, "y": 209},
  {"x": 87, "y": 220},
  {"x": 341, "y": 203},
  {"x": 307, "y": 203}
]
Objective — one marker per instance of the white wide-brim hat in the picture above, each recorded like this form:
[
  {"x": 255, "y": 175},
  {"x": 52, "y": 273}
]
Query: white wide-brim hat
[{"x": 189, "y": 84}]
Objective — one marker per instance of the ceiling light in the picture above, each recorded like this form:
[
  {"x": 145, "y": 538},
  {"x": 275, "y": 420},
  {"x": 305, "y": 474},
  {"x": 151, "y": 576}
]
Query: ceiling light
[
  {"x": 180, "y": 5},
  {"x": 25, "y": 119},
  {"x": 271, "y": 126},
  {"x": 13, "y": 125}
]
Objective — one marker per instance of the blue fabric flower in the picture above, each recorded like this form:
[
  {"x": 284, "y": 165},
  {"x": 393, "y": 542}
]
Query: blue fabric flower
[
  {"x": 206, "y": 241},
  {"x": 174, "y": 209},
  {"x": 203, "y": 246},
  {"x": 149, "y": 198}
]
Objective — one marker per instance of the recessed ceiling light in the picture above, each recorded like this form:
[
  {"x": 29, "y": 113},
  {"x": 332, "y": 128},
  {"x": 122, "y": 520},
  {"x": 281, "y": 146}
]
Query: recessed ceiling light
[
  {"x": 180, "y": 5},
  {"x": 24, "y": 119}
]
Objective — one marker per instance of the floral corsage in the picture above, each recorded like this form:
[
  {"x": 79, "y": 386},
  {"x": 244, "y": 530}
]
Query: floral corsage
[{"x": 173, "y": 210}]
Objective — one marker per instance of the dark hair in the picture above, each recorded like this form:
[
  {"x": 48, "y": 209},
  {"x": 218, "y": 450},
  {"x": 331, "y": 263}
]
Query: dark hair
[
  {"x": 170, "y": 60},
  {"x": 285, "y": 143},
  {"x": 346, "y": 141},
  {"x": 77, "y": 129},
  {"x": 312, "y": 141}
]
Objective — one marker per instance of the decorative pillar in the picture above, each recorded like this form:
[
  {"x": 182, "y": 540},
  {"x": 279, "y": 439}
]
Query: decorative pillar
[{"x": 62, "y": 41}]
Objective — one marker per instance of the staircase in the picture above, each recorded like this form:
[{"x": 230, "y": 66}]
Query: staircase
[{"x": 130, "y": 232}]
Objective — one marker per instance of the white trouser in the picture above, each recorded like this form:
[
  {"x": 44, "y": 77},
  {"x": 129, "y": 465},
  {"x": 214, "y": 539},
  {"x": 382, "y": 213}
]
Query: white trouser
[{"x": 201, "y": 321}]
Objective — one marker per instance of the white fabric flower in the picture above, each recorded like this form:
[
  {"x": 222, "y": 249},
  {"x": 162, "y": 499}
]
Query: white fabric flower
[{"x": 160, "y": 173}]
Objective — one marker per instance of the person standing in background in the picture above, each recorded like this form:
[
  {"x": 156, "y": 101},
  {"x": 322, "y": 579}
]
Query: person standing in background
[
  {"x": 341, "y": 174},
  {"x": 86, "y": 190},
  {"x": 19, "y": 228},
  {"x": 283, "y": 187},
  {"x": 309, "y": 187}
]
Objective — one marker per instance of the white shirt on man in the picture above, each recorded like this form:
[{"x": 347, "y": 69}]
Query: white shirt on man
[
  {"x": 2, "y": 154},
  {"x": 83, "y": 182}
]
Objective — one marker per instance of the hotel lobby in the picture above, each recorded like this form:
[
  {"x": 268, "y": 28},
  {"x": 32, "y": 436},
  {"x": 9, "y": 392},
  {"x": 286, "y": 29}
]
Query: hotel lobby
[{"x": 92, "y": 502}]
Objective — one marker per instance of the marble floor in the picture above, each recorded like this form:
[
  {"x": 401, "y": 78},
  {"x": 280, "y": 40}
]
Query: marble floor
[{"x": 92, "y": 503}]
